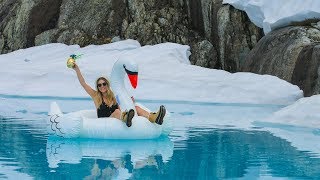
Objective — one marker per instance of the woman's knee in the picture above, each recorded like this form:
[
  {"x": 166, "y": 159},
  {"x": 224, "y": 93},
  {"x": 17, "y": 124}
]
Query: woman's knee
[
  {"x": 116, "y": 113},
  {"x": 139, "y": 110}
]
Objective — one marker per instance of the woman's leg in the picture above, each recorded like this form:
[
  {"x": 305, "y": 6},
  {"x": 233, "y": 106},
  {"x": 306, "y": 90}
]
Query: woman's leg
[
  {"x": 116, "y": 114},
  {"x": 142, "y": 112},
  {"x": 124, "y": 116},
  {"x": 154, "y": 117}
]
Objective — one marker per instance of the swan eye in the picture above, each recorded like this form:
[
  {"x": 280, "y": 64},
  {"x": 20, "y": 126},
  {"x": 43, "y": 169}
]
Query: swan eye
[{"x": 128, "y": 71}]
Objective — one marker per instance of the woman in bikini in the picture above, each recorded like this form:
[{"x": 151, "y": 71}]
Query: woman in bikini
[{"x": 107, "y": 106}]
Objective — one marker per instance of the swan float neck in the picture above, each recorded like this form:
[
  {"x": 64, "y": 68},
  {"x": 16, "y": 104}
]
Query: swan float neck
[{"x": 124, "y": 70}]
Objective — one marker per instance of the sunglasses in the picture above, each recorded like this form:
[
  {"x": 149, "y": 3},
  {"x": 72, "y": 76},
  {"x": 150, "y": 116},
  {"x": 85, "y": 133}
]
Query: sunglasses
[{"x": 103, "y": 84}]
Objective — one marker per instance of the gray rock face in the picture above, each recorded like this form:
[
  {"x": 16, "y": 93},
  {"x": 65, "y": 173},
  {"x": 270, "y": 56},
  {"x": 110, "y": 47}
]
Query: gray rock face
[
  {"x": 1, "y": 42},
  {"x": 206, "y": 56},
  {"x": 155, "y": 21},
  {"x": 288, "y": 53},
  {"x": 8, "y": 9},
  {"x": 236, "y": 37},
  {"x": 306, "y": 73},
  {"x": 22, "y": 20},
  {"x": 219, "y": 35},
  {"x": 47, "y": 37},
  {"x": 84, "y": 22}
]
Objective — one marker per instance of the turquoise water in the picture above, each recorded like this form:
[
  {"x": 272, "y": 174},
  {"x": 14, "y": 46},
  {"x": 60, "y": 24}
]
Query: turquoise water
[{"x": 209, "y": 141}]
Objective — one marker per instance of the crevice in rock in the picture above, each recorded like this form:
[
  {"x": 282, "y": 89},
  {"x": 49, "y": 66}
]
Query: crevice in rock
[
  {"x": 305, "y": 72},
  {"x": 119, "y": 9},
  {"x": 216, "y": 5},
  {"x": 250, "y": 31},
  {"x": 129, "y": 16},
  {"x": 196, "y": 16},
  {"x": 43, "y": 17}
]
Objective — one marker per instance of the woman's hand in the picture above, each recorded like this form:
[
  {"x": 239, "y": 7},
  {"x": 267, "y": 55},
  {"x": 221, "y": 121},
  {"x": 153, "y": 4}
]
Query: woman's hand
[
  {"x": 75, "y": 66},
  {"x": 133, "y": 100}
]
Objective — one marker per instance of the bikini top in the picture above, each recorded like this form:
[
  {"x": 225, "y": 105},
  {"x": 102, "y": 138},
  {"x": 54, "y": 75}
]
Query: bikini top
[{"x": 105, "y": 111}]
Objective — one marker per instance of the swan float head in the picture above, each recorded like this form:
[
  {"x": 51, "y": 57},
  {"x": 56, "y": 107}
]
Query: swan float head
[
  {"x": 132, "y": 75},
  {"x": 125, "y": 66}
]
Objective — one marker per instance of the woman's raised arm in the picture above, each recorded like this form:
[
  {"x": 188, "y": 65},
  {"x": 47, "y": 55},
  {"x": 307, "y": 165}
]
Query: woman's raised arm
[{"x": 83, "y": 83}]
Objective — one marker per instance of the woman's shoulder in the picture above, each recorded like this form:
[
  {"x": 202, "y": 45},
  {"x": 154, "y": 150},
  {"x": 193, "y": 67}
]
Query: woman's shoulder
[{"x": 96, "y": 97}]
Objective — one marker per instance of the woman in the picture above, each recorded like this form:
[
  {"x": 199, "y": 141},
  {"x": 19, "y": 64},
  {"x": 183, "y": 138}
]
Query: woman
[{"x": 107, "y": 106}]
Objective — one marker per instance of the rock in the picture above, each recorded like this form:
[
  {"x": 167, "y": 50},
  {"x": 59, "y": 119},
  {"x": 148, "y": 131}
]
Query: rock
[
  {"x": 236, "y": 37},
  {"x": 306, "y": 73},
  {"x": 206, "y": 55},
  {"x": 116, "y": 39},
  {"x": 2, "y": 41},
  {"x": 47, "y": 37},
  {"x": 96, "y": 18},
  {"x": 25, "y": 20},
  {"x": 84, "y": 22},
  {"x": 316, "y": 25},
  {"x": 156, "y": 22},
  {"x": 287, "y": 53},
  {"x": 75, "y": 36}
]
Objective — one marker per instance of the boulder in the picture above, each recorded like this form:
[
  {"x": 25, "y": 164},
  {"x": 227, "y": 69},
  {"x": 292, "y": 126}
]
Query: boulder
[{"x": 287, "y": 53}]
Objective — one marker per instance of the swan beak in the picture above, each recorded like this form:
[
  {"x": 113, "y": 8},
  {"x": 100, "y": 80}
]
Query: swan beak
[
  {"x": 133, "y": 80},
  {"x": 133, "y": 77}
]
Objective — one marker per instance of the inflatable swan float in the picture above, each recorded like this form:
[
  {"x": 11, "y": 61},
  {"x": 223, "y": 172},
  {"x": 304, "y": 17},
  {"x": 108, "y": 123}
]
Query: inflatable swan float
[{"x": 85, "y": 124}]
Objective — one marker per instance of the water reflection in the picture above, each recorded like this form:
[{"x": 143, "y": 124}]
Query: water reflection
[
  {"x": 221, "y": 153},
  {"x": 111, "y": 158}
]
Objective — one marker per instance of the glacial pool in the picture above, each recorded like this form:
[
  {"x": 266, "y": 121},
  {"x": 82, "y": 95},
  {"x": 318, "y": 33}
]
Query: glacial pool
[{"x": 208, "y": 141}]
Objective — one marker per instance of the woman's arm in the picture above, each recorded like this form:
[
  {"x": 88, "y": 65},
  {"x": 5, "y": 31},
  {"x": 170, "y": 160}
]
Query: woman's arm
[{"x": 83, "y": 83}]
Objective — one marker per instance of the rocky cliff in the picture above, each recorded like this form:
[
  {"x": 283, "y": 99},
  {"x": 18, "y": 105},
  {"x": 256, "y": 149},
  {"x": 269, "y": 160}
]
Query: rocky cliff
[{"x": 219, "y": 35}]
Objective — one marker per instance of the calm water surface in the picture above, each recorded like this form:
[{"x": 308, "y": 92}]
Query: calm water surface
[{"x": 209, "y": 141}]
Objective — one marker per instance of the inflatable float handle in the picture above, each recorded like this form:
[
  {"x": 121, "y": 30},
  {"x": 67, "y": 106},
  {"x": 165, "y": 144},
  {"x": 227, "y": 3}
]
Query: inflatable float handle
[{"x": 118, "y": 100}]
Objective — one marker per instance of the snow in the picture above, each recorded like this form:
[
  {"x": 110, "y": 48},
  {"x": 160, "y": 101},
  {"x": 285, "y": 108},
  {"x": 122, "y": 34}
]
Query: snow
[
  {"x": 165, "y": 73},
  {"x": 273, "y": 14},
  {"x": 305, "y": 112}
]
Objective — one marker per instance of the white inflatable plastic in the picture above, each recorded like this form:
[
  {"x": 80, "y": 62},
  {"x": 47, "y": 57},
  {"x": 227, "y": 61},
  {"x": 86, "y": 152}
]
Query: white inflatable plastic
[
  {"x": 72, "y": 151},
  {"x": 85, "y": 124}
]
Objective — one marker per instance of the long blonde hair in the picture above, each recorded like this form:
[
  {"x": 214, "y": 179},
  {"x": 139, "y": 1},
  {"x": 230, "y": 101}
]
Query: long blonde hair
[{"x": 110, "y": 95}]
